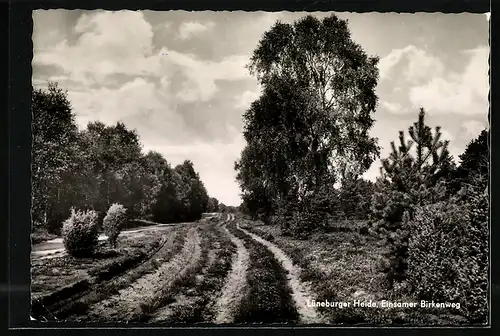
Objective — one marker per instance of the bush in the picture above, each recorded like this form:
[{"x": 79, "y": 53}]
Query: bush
[
  {"x": 301, "y": 218},
  {"x": 296, "y": 224},
  {"x": 448, "y": 253},
  {"x": 114, "y": 222},
  {"x": 389, "y": 207},
  {"x": 80, "y": 235},
  {"x": 285, "y": 216}
]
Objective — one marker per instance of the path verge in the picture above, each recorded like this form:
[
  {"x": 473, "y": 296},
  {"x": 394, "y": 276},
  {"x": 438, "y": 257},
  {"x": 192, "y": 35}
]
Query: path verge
[
  {"x": 236, "y": 282},
  {"x": 300, "y": 292}
]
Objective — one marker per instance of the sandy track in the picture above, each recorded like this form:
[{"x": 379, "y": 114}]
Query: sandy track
[
  {"x": 195, "y": 302},
  {"x": 301, "y": 293},
  {"x": 234, "y": 288},
  {"x": 223, "y": 221},
  {"x": 128, "y": 303},
  {"x": 197, "y": 266}
]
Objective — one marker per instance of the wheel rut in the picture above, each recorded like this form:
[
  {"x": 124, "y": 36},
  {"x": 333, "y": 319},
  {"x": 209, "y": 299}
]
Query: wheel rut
[
  {"x": 234, "y": 287},
  {"x": 300, "y": 292},
  {"x": 140, "y": 298}
]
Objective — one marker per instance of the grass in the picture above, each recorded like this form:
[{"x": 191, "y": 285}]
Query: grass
[
  {"x": 77, "y": 309},
  {"x": 42, "y": 308},
  {"x": 268, "y": 299},
  {"x": 195, "y": 302},
  {"x": 182, "y": 283},
  {"x": 344, "y": 266},
  {"x": 49, "y": 275},
  {"x": 111, "y": 269},
  {"x": 69, "y": 295}
]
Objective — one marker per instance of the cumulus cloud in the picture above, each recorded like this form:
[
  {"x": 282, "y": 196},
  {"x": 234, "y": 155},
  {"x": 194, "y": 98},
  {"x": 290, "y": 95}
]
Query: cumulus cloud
[
  {"x": 114, "y": 44},
  {"x": 202, "y": 75},
  {"x": 416, "y": 64},
  {"x": 446, "y": 135},
  {"x": 460, "y": 93},
  {"x": 108, "y": 43},
  {"x": 48, "y": 21},
  {"x": 132, "y": 100},
  {"x": 121, "y": 42},
  {"x": 190, "y": 29}
]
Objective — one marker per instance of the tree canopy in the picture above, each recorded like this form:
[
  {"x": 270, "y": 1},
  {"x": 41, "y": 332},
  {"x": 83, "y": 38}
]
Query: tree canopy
[
  {"x": 474, "y": 163},
  {"x": 310, "y": 125}
]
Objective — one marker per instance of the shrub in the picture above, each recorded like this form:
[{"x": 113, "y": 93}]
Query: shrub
[
  {"x": 284, "y": 216},
  {"x": 80, "y": 233},
  {"x": 448, "y": 253},
  {"x": 297, "y": 224},
  {"x": 389, "y": 206},
  {"x": 312, "y": 214},
  {"x": 114, "y": 221}
]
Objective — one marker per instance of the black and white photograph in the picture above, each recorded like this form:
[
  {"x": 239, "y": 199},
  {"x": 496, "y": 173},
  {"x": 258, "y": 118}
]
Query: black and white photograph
[{"x": 260, "y": 168}]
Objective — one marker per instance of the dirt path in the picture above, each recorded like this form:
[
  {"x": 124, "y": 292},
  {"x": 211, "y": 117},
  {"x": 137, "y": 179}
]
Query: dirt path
[
  {"x": 233, "y": 290},
  {"x": 301, "y": 294},
  {"x": 179, "y": 295},
  {"x": 130, "y": 301},
  {"x": 223, "y": 221}
]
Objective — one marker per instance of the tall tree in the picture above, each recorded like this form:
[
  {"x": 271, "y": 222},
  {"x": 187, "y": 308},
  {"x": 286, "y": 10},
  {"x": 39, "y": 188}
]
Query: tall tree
[
  {"x": 53, "y": 154},
  {"x": 167, "y": 204},
  {"x": 310, "y": 126},
  {"x": 114, "y": 153},
  {"x": 192, "y": 193},
  {"x": 258, "y": 190},
  {"x": 319, "y": 59},
  {"x": 154, "y": 167},
  {"x": 222, "y": 207},
  {"x": 101, "y": 165}
]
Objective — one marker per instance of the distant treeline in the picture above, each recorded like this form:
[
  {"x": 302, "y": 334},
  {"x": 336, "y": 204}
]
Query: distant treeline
[{"x": 101, "y": 165}]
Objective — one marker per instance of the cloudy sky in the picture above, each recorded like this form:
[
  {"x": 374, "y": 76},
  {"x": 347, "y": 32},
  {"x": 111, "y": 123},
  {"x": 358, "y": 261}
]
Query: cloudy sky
[{"x": 179, "y": 77}]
